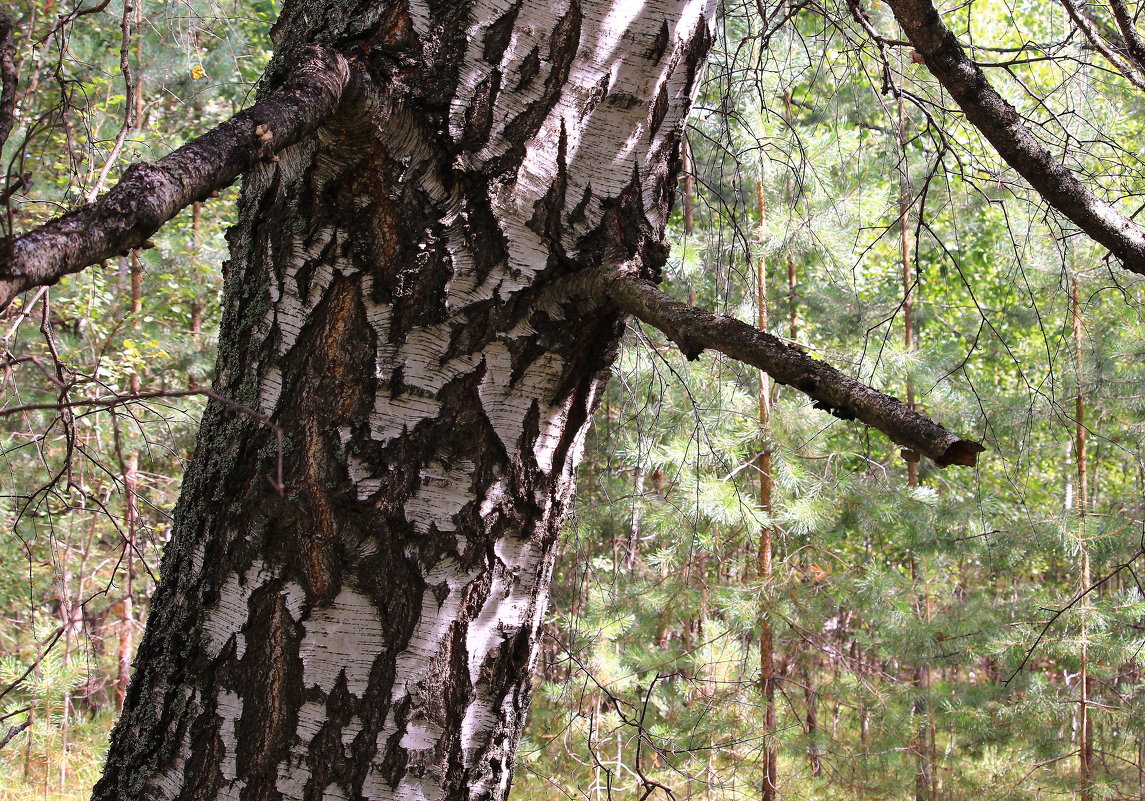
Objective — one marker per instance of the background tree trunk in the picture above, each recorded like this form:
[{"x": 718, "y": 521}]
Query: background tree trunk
[{"x": 406, "y": 304}]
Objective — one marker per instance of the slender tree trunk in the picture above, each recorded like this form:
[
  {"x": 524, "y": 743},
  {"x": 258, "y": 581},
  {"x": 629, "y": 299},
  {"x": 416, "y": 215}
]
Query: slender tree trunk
[
  {"x": 130, "y": 469},
  {"x": 811, "y": 717},
  {"x": 1085, "y": 727},
  {"x": 126, "y": 647},
  {"x": 687, "y": 188},
  {"x": 770, "y": 755},
  {"x": 635, "y": 527},
  {"x": 792, "y": 276},
  {"x": 407, "y": 330},
  {"x": 924, "y": 738}
]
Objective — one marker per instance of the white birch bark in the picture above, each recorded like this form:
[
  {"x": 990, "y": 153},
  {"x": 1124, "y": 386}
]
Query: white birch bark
[{"x": 410, "y": 299}]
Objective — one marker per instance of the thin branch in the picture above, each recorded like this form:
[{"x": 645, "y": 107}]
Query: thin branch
[
  {"x": 111, "y": 401},
  {"x": 50, "y": 644},
  {"x": 1091, "y": 35},
  {"x": 13, "y": 731},
  {"x": 129, "y": 89},
  {"x": 1057, "y": 613},
  {"x": 150, "y": 194},
  {"x": 69, "y": 18},
  {"x": 695, "y": 330}
]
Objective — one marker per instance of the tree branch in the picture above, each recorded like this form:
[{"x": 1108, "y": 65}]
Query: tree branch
[
  {"x": 14, "y": 730},
  {"x": 1091, "y": 34},
  {"x": 1001, "y": 124},
  {"x": 695, "y": 330},
  {"x": 1134, "y": 45},
  {"x": 8, "y": 79},
  {"x": 150, "y": 194}
]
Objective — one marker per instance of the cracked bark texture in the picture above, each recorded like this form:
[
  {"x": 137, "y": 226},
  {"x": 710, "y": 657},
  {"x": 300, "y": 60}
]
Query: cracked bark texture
[{"x": 409, "y": 298}]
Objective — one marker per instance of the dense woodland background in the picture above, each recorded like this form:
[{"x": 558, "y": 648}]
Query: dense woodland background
[{"x": 929, "y": 633}]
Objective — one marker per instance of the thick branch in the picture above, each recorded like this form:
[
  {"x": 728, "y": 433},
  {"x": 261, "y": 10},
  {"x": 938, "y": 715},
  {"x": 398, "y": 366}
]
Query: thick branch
[
  {"x": 1083, "y": 23},
  {"x": 1000, "y": 123},
  {"x": 150, "y": 194},
  {"x": 8, "y": 79},
  {"x": 695, "y": 330},
  {"x": 1133, "y": 42}
]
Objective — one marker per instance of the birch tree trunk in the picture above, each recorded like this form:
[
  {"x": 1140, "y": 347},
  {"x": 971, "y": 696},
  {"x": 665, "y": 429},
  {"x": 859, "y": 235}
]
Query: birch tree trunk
[{"x": 407, "y": 312}]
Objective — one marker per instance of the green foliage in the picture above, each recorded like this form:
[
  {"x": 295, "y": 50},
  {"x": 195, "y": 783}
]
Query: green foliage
[
  {"x": 77, "y": 565},
  {"x": 908, "y": 619}
]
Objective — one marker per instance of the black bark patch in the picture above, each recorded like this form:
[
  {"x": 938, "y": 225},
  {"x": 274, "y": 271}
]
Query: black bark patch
[
  {"x": 578, "y": 213},
  {"x": 479, "y": 113},
  {"x": 203, "y": 765},
  {"x": 546, "y": 219},
  {"x": 624, "y": 222},
  {"x": 696, "y": 51},
  {"x": 660, "y": 45},
  {"x": 395, "y": 33},
  {"x": 595, "y": 95},
  {"x": 498, "y": 35},
  {"x": 659, "y": 110},
  {"x": 530, "y": 67},
  {"x": 304, "y": 277},
  {"x": 624, "y": 100},
  {"x": 590, "y": 351},
  {"x": 483, "y": 235},
  {"x": 563, "y": 46},
  {"x": 437, "y": 82}
]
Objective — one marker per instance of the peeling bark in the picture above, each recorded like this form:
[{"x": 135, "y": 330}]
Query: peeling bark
[
  {"x": 408, "y": 300},
  {"x": 1001, "y": 124}
]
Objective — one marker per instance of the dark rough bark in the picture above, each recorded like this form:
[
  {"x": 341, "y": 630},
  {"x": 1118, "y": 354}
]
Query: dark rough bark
[
  {"x": 1001, "y": 124},
  {"x": 407, "y": 299},
  {"x": 1134, "y": 44},
  {"x": 151, "y": 194},
  {"x": 8, "y": 79},
  {"x": 695, "y": 330}
]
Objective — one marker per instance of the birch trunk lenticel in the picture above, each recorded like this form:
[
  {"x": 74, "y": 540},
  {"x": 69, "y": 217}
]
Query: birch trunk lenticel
[{"x": 407, "y": 301}]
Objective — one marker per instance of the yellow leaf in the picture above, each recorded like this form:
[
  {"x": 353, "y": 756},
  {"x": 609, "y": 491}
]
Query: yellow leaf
[{"x": 197, "y": 72}]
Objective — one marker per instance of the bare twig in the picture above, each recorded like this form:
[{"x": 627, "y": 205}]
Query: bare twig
[
  {"x": 109, "y": 401},
  {"x": 1057, "y": 613},
  {"x": 13, "y": 731},
  {"x": 129, "y": 88}
]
